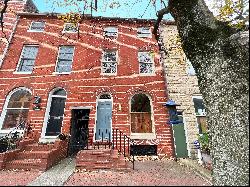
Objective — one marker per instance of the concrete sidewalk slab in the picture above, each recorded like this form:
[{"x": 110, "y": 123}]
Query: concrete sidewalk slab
[{"x": 57, "y": 175}]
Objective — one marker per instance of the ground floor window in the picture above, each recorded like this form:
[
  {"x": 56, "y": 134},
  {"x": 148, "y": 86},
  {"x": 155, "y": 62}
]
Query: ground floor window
[
  {"x": 200, "y": 112},
  {"x": 141, "y": 114},
  {"x": 17, "y": 109}
]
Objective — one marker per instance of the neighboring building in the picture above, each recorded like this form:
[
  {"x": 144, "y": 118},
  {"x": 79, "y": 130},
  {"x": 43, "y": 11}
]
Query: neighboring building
[
  {"x": 10, "y": 21},
  {"x": 182, "y": 87},
  {"x": 108, "y": 74}
]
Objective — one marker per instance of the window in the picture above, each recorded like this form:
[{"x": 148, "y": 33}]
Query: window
[
  {"x": 27, "y": 60},
  {"x": 200, "y": 112},
  {"x": 109, "y": 62},
  {"x": 144, "y": 32},
  {"x": 70, "y": 27},
  {"x": 146, "y": 62},
  {"x": 65, "y": 59},
  {"x": 37, "y": 26},
  {"x": 17, "y": 109},
  {"x": 141, "y": 114},
  {"x": 111, "y": 32},
  {"x": 190, "y": 68}
]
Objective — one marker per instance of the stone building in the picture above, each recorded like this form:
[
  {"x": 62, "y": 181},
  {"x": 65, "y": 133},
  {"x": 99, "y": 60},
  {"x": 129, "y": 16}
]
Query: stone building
[{"x": 182, "y": 87}]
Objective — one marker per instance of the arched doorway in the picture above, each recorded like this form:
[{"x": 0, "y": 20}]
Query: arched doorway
[
  {"x": 54, "y": 113},
  {"x": 104, "y": 117}
]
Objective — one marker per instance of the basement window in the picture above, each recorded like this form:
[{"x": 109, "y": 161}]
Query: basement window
[
  {"x": 37, "y": 26},
  {"x": 109, "y": 62},
  {"x": 65, "y": 59},
  {"x": 111, "y": 32},
  {"x": 146, "y": 62},
  {"x": 143, "y": 32}
]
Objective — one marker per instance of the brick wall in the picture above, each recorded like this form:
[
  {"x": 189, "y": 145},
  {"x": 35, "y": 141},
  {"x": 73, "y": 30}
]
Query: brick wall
[
  {"x": 9, "y": 20},
  {"x": 181, "y": 86},
  {"x": 85, "y": 82}
]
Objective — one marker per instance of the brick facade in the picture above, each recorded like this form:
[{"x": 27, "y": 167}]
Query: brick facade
[
  {"x": 85, "y": 82},
  {"x": 10, "y": 18}
]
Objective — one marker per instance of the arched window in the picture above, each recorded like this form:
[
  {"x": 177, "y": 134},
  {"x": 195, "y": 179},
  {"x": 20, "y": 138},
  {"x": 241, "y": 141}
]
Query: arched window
[
  {"x": 141, "y": 114},
  {"x": 17, "y": 108}
]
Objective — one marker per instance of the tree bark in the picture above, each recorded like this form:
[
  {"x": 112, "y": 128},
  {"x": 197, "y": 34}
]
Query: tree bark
[{"x": 220, "y": 57}]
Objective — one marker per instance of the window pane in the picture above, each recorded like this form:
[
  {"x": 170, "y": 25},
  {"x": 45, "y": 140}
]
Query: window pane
[
  {"x": 145, "y": 57},
  {"x": 14, "y": 117},
  {"x": 27, "y": 60},
  {"x": 140, "y": 103},
  {"x": 105, "y": 96},
  {"x": 109, "y": 67},
  {"x": 66, "y": 56},
  {"x": 65, "y": 59},
  {"x": 20, "y": 98},
  {"x": 146, "y": 68},
  {"x": 37, "y": 26},
  {"x": 141, "y": 123},
  {"x": 144, "y": 32},
  {"x": 110, "y": 31},
  {"x": 199, "y": 106},
  {"x": 60, "y": 92},
  {"x": 66, "y": 49},
  {"x": 63, "y": 68},
  {"x": 70, "y": 27},
  {"x": 30, "y": 52},
  {"x": 109, "y": 56}
]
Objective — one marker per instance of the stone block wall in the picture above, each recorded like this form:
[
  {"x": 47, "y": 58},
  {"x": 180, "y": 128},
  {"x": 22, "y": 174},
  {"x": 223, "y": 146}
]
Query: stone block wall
[{"x": 181, "y": 86}]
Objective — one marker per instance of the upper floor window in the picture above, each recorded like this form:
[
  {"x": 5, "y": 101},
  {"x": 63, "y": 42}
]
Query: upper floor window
[
  {"x": 37, "y": 26},
  {"x": 146, "y": 62},
  {"x": 144, "y": 32},
  {"x": 27, "y": 59},
  {"x": 109, "y": 62},
  {"x": 190, "y": 68},
  {"x": 65, "y": 59},
  {"x": 111, "y": 32},
  {"x": 70, "y": 27}
]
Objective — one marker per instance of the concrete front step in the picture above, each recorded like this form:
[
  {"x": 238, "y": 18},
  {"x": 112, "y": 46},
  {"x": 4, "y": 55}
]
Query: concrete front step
[{"x": 26, "y": 164}]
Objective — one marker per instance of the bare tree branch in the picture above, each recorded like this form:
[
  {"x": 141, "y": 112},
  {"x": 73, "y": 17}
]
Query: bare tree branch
[{"x": 160, "y": 15}]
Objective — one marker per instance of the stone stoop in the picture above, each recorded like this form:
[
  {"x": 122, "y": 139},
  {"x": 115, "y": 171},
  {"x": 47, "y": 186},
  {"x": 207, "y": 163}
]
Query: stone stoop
[
  {"x": 100, "y": 159},
  {"x": 36, "y": 156}
]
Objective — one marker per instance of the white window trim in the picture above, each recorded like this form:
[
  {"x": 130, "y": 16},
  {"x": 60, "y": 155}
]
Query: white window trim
[
  {"x": 147, "y": 136},
  {"x": 45, "y": 138},
  {"x": 152, "y": 62},
  {"x": 150, "y": 34},
  {"x": 64, "y": 73},
  {"x": 113, "y": 37},
  {"x": 64, "y": 26},
  {"x": 19, "y": 61},
  {"x": 117, "y": 60},
  {"x": 4, "y": 111},
  {"x": 30, "y": 30},
  {"x": 103, "y": 100}
]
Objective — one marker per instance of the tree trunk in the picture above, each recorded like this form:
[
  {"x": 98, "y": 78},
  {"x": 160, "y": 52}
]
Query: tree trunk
[{"x": 220, "y": 57}]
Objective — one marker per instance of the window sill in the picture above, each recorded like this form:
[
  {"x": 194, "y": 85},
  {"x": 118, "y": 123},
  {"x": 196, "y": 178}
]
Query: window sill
[
  {"x": 147, "y": 74},
  {"x": 24, "y": 73},
  {"x": 142, "y": 136},
  {"x": 64, "y": 32},
  {"x": 48, "y": 139},
  {"x": 110, "y": 75},
  {"x": 64, "y": 73},
  {"x": 34, "y": 31}
]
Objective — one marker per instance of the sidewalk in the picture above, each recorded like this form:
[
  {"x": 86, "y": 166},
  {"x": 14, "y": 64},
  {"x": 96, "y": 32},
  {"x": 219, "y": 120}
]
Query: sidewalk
[{"x": 200, "y": 170}]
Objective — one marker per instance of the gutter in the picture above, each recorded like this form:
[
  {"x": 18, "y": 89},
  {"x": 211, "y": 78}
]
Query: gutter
[{"x": 9, "y": 41}]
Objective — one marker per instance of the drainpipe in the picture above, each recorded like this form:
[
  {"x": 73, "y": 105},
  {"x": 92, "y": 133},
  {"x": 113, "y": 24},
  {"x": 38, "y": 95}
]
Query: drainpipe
[{"x": 9, "y": 41}]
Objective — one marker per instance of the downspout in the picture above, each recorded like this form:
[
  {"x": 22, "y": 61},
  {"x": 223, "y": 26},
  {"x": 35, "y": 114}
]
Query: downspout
[{"x": 9, "y": 41}]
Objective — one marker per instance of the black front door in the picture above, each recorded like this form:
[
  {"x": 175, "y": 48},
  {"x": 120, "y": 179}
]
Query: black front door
[
  {"x": 79, "y": 130},
  {"x": 55, "y": 116}
]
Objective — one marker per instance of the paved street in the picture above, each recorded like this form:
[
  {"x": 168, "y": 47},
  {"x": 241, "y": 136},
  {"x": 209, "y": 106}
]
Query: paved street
[{"x": 146, "y": 173}]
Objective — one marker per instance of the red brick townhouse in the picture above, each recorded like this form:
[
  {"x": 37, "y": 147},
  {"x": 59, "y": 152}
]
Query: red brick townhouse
[
  {"x": 86, "y": 81},
  {"x": 9, "y": 21}
]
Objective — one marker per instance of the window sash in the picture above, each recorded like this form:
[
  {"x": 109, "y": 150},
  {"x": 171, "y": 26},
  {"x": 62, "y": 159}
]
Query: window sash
[
  {"x": 27, "y": 59},
  {"x": 65, "y": 59},
  {"x": 14, "y": 116},
  {"x": 144, "y": 32},
  {"x": 109, "y": 67},
  {"x": 141, "y": 122},
  {"x": 111, "y": 31},
  {"x": 109, "y": 56},
  {"x": 37, "y": 26},
  {"x": 146, "y": 68},
  {"x": 70, "y": 27}
]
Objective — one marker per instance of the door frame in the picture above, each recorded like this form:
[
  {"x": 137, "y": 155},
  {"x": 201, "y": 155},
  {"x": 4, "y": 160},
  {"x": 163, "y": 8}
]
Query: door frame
[
  {"x": 96, "y": 115},
  {"x": 45, "y": 138}
]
